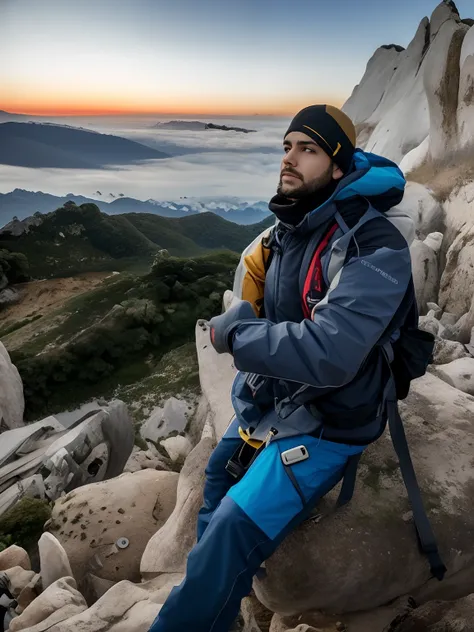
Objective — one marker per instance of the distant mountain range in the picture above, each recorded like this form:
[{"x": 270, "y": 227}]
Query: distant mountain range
[
  {"x": 10, "y": 116},
  {"x": 200, "y": 126},
  {"x": 76, "y": 239},
  {"x": 22, "y": 204},
  {"x": 50, "y": 145}
]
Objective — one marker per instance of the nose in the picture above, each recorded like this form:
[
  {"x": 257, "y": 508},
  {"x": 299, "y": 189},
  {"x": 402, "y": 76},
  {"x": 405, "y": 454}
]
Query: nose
[{"x": 289, "y": 158}]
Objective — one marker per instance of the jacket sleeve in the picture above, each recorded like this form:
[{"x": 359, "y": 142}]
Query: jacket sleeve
[{"x": 328, "y": 350}]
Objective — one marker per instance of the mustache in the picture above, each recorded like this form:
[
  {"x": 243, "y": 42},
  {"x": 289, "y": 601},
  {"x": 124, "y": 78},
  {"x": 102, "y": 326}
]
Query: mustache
[{"x": 291, "y": 172}]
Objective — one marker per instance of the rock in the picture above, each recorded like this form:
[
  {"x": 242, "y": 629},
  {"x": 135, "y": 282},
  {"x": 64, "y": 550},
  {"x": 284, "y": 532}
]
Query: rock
[
  {"x": 430, "y": 324},
  {"x": 367, "y": 95},
  {"x": 359, "y": 556},
  {"x": 45, "y": 460},
  {"x": 144, "y": 459},
  {"x": 457, "y": 281},
  {"x": 466, "y": 92},
  {"x": 9, "y": 296},
  {"x": 126, "y": 607},
  {"x": 434, "y": 241},
  {"x": 446, "y": 351},
  {"x": 177, "y": 448},
  {"x": 436, "y": 309},
  {"x": 12, "y": 403},
  {"x": 216, "y": 374},
  {"x": 171, "y": 418},
  {"x": 400, "y": 122},
  {"x": 470, "y": 345},
  {"x": 93, "y": 587},
  {"x": 441, "y": 69},
  {"x": 29, "y": 593},
  {"x": 448, "y": 319},
  {"x": 18, "y": 579},
  {"x": 437, "y": 616},
  {"x": 54, "y": 562},
  {"x": 424, "y": 208},
  {"x": 57, "y": 603},
  {"x": 459, "y": 373},
  {"x": 14, "y": 556},
  {"x": 425, "y": 273},
  {"x": 167, "y": 550},
  {"x": 105, "y": 527},
  {"x": 416, "y": 157}
]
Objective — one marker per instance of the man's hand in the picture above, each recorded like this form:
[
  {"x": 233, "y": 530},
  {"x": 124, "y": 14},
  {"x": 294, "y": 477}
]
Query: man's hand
[{"x": 222, "y": 327}]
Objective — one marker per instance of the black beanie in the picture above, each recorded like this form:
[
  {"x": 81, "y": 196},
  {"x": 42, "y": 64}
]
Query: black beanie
[{"x": 331, "y": 129}]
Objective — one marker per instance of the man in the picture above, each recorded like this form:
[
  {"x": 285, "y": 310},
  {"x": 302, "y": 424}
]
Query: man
[{"x": 319, "y": 291}]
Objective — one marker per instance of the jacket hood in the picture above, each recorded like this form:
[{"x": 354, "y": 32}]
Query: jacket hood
[{"x": 373, "y": 178}]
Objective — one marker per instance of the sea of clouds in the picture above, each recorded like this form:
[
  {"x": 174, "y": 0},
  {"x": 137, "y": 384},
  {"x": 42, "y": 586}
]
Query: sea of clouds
[{"x": 204, "y": 163}]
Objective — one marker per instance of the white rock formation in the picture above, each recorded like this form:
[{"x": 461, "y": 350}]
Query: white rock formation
[
  {"x": 12, "y": 404},
  {"x": 441, "y": 81},
  {"x": 466, "y": 92},
  {"x": 459, "y": 373},
  {"x": 368, "y": 94},
  {"x": 425, "y": 273},
  {"x": 177, "y": 448},
  {"x": 56, "y": 604},
  {"x": 426, "y": 211},
  {"x": 54, "y": 562},
  {"x": 44, "y": 459},
  {"x": 167, "y": 550},
  {"x": 173, "y": 417},
  {"x": 415, "y": 157}
]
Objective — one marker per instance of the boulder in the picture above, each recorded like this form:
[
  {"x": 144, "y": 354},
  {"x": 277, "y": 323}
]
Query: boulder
[
  {"x": 448, "y": 319},
  {"x": 144, "y": 459},
  {"x": 436, "y": 309},
  {"x": 425, "y": 210},
  {"x": 366, "y": 554},
  {"x": 416, "y": 157},
  {"x": 425, "y": 273},
  {"x": 446, "y": 351},
  {"x": 167, "y": 550},
  {"x": 29, "y": 593},
  {"x": 105, "y": 527},
  {"x": 12, "y": 403},
  {"x": 177, "y": 448},
  {"x": 216, "y": 373},
  {"x": 126, "y": 607},
  {"x": 459, "y": 373},
  {"x": 14, "y": 556},
  {"x": 60, "y": 601},
  {"x": 438, "y": 616},
  {"x": 434, "y": 241},
  {"x": 18, "y": 579},
  {"x": 54, "y": 562},
  {"x": 456, "y": 293},
  {"x": 429, "y": 323},
  {"x": 172, "y": 418}
]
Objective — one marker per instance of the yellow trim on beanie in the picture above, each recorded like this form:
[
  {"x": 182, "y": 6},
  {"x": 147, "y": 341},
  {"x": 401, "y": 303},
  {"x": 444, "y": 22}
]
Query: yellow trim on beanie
[{"x": 344, "y": 123}]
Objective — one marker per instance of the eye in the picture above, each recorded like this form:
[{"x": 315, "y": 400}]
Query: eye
[
  {"x": 308, "y": 149},
  {"x": 286, "y": 149}
]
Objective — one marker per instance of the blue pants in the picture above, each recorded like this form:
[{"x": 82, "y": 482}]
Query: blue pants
[{"x": 240, "y": 526}]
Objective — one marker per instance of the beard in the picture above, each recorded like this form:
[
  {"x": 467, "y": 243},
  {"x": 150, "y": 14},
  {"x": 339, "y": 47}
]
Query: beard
[{"x": 305, "y": 188}]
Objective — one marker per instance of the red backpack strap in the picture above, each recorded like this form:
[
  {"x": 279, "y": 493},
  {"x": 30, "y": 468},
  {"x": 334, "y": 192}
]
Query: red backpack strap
[{"x": 313, "y": 288}]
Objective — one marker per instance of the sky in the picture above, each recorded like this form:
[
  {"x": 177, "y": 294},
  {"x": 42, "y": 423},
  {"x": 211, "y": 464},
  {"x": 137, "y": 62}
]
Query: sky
[{"x": 226, "y": 57}]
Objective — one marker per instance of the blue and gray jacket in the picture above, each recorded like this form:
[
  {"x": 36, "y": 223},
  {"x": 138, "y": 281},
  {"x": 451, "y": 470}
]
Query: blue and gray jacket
[{"x": 325, "y": 374}]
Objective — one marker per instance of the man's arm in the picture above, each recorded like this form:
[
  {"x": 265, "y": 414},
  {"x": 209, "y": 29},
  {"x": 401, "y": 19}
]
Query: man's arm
[{"x": 329, "y": 349}]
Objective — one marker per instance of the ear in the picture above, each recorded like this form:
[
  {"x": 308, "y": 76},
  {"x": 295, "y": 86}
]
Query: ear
[{"x": 336, "y": 172}]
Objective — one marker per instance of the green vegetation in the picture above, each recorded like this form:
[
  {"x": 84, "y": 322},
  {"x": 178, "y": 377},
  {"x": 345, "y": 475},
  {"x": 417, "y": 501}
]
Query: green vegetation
[
  {"x": 18, "y": 325},
  {"x": 117, "y": 334},
  {"x": 76, "y": 239},
  {"x": 14, "y": 266},
  {"x": 23, "y": 523}
]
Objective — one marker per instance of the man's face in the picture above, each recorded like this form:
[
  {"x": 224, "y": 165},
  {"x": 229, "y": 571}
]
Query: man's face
[{"x": 305, "y": 168}]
